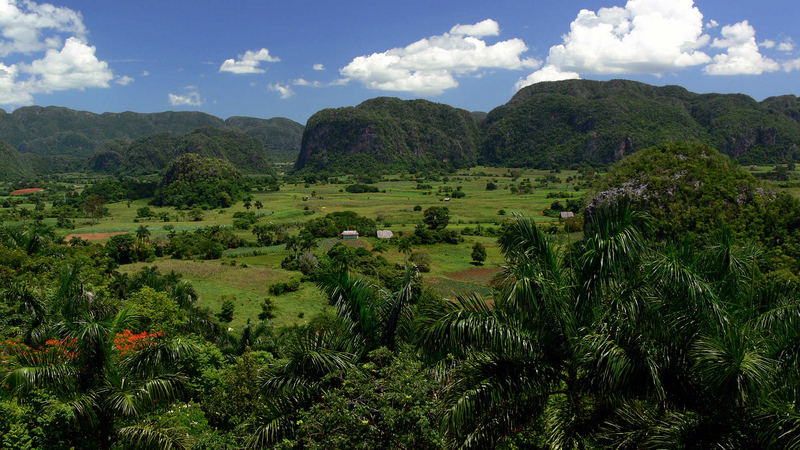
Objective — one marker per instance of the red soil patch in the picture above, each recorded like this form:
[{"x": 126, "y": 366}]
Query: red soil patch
[
  {"x": 92, "y": 236},
  {"x": 26, "y": 191},
  {"x": 478, "y": 275}
]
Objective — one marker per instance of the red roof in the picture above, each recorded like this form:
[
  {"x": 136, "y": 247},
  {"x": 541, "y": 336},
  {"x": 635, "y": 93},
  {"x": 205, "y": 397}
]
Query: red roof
[{"x": 26, "y": 191}]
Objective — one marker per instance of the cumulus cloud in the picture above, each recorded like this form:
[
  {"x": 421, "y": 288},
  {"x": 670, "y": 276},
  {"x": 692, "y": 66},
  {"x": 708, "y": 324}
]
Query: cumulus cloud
[
  {"x": 483, "y": 28},
  {"x": 145, "y": 73},
  {"x": 249, "y": 62},
  {"x": 786, "y": 46},
  {"x": 69, "y": 62},
  {"x": 73, "y": 67},
  {"x": 653, "y": 37},
  {"x": 28, "y": 27},
  {"x": 741, "y": 56},
  {"x": 283, "y": 89},
  {"x": 430, "y": 65},
  {"x": 189, "y": 99},
  {"x": 546, "y": 73},
  {"x": 318, "y": 67},
  {"x": 645, "y": 36}
]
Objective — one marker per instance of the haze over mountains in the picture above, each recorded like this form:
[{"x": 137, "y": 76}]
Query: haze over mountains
[
  {"x": 52, "y": 139},
  {"x": 564, "y": 123}
]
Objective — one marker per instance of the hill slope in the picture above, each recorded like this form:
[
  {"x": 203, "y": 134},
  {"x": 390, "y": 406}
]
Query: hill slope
[
  {"x": 153, "y": 153},
  {"x": 575, "y": 121},
  {"x": 12, "y": 165},
  {"x": 51, "y": 130},
  {"x": 389, "y": 133}
]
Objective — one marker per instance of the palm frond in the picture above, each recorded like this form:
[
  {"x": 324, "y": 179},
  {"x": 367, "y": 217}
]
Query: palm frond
[
  {"x": 470, "y": 324},
  {"x": 487, "y": 394},
  {"x": 153, "y": 437}
]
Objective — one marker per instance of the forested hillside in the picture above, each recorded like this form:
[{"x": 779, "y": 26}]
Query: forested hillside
[
  {"x": 388, "y": 133},
  {"x": 153, "y": 153},
  {"x": 564, "y": 123},
  {"x": 54, "y": 139},
  {"x": 581, "y": 121}
]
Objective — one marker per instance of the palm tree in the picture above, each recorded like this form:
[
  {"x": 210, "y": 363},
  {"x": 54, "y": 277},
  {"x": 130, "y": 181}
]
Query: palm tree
[
  {"x": 142, "y": 233},
  {"x": 366, "y": 318},
  {"x": 404, "y": 247},
  {"x": 102, "y": 375},
  {"x": 618, "y": 342}
]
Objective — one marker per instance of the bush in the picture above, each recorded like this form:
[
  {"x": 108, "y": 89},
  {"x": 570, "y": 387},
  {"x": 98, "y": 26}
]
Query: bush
[
  {"x": 422, "y": 260},
  {"x": 359, "y": 188},
  {"x": 279, "y": 288}
]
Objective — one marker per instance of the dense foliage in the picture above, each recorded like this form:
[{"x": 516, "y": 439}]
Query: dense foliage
[
  {"x": 194, "y": 180},
  {"x": 691, "y": 190},
  {"x": 579, "y": 122},
  {"x": 389, "y": 134},
  {"x": 153, "y": 153}
]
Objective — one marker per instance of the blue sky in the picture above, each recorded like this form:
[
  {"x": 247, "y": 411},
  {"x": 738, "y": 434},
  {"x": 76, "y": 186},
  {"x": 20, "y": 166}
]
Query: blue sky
[{"x": 292, "y": 59}]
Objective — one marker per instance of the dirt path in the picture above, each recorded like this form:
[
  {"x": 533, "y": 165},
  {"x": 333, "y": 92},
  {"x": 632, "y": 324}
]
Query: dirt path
[{"x": 92, "y": 236}]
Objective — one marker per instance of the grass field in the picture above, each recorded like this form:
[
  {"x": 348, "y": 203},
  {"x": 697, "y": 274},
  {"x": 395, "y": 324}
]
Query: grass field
[{"x": 451, "y": 270}]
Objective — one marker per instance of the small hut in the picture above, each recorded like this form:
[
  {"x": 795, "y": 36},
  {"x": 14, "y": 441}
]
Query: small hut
[
  {"x": 385, "y": 234},
  {"x": 567, "y": 215},
  {"x": 349, "y": 234}
]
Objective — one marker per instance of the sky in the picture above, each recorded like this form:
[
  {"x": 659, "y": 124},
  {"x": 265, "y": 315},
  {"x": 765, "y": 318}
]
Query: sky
[{"x": 291, "y": 59}]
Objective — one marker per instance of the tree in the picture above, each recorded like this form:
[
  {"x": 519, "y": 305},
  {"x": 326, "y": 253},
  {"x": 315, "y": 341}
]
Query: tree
[
  {"x": 225, "y": 315},
  {"x": 104, "y": 376},
  {"x": 478, "y": 254},
  {"x": 404, "y": 247},
  {"x": 144, "y": 212},
  {"x": 258, "y": 204},
  {"x": 267, "y": 310},
  {"x": 617, "y": 342},
  {"x": 436, "y": 217},
  {"x": 142, "y": 233},
  {"x": 94, "y": 207},
  {"x": 196, "y": 214}
]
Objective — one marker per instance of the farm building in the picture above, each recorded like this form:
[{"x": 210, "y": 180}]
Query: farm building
[
  {"x": 385, "y": 234},
  {"x": 349, "y": 234},
  {"x": 567, "y": 214}
]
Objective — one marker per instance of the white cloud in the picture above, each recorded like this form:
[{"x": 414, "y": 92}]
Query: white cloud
[
  {"x": 766, "y": 43},
  {"x": 73, "y": 67},
  {"x": 712, "y": 24},
  {"x": 145, "y": 73},
  {"x": 319, "y": 66},
  {"x": 304, "y": 82},
  {"x": 68, "y": 61},
  {"x": 430, "y": 65},
  {"x": 124, "y": 80},
  {"x": 742, "y": 56},
  {"x": 646, "y": 36},
  {"x": 189, "y": 99},
  {"x": 249, "y": 62},
  {"x": 791, "y": 65},
  {"x": 285, "y": 90},
  {"x": 11, "y": 91},
  {"x": 786, "y": 46},
  {"x": 483, "y": 28},
  {"x": 28, "y": 27},
  {"x": 319, "y": 84},
  {"x": 546, "y": 73}
]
